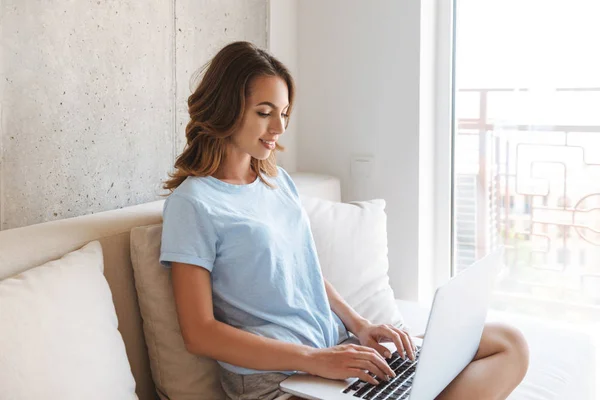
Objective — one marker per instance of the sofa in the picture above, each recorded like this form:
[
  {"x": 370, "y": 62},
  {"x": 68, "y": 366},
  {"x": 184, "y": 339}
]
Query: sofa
[{"x": 557, "y": 353}]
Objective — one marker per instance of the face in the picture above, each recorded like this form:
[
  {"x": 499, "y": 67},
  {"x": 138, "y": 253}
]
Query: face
[{"x": 264, "y": 117}]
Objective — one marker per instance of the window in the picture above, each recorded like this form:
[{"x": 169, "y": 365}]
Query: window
[
  {"x": 527, "y": 205},
  {"x": 564, "y": 231},
  {"x": 563, "y": 256},
  {"x": 563, "y": 202},
  {"x": 511, "y": 226},
  {"x": 526, "y": 134}
]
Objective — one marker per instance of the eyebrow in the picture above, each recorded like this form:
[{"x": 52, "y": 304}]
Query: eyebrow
[{"x": 268, "y": 103}]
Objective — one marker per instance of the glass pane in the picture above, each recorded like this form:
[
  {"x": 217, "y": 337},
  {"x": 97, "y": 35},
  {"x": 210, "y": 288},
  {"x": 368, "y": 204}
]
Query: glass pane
[{"x": 527, "y": 152}]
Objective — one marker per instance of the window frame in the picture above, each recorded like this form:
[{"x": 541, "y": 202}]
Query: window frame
[{"x": 444, "y": 235}]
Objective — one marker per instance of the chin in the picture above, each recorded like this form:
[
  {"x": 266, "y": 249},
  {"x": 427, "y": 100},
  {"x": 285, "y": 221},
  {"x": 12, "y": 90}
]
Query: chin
[{"x": 262, "y": 156}]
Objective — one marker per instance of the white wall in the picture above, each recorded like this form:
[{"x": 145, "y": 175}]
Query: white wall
[
  {"x": 366, "y": 88},
  {"x": 426, "y": 145},
  {"x": 282, "y": 42}
]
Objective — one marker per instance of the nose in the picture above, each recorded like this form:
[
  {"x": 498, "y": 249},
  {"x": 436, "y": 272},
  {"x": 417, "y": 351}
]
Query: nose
[{"x": 277, "y": 126}]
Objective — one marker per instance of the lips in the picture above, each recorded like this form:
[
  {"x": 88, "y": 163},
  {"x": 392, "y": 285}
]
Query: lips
[
  {"x": 268, "y": 141},
  {"x": 268, "y": 144}
]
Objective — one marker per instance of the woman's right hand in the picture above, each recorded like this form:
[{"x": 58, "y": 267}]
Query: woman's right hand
[{"x": 348, "y": 361}]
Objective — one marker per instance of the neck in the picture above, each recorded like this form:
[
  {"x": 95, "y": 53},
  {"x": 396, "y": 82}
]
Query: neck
[{"x": 235, "y": 168}]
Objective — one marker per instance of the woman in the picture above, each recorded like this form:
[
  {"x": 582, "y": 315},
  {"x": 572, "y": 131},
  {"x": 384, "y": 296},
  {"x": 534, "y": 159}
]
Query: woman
[{"x": 245, "y": 273}]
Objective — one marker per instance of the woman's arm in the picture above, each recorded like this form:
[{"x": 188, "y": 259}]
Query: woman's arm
[
  {"x": 349, "y": 317},
  {"x": 205, "y": 336},
  {"x": 369, "y": 334}
]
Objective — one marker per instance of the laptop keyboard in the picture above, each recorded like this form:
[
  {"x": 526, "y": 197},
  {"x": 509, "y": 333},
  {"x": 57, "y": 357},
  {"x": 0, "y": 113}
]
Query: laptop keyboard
[{"x": 397, "y": 388}]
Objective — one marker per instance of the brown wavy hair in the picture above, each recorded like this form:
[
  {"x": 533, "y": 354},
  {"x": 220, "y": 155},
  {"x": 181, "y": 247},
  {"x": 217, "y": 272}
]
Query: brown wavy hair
[{"x": 216, "y": 111}]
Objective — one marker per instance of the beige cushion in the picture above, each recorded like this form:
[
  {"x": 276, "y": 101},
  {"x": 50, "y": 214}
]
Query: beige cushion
[
  {"x": 59, "y": 336},
  {"x": 178, "y": 374}
]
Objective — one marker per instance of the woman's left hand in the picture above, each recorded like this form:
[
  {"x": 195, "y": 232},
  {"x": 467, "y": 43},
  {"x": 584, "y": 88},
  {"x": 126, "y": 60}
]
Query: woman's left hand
[{"x": 371, "y": 335}]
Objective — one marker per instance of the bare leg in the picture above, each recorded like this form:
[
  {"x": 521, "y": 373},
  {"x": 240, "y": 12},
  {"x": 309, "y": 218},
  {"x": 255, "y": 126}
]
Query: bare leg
[{"x": 498, "y": 367}]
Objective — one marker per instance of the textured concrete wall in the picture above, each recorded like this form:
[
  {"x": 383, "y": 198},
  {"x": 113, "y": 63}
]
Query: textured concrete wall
[{"x": 93, "y": 101}]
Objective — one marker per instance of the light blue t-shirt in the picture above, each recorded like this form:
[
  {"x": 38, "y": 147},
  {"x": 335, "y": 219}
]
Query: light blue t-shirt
[{"x": 257, "y": 244}]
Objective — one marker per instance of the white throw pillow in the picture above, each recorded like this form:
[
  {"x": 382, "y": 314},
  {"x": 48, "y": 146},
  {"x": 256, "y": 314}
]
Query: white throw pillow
[
  {"x": 59, "y": 337},
  {"x": 351, "y": 241}
]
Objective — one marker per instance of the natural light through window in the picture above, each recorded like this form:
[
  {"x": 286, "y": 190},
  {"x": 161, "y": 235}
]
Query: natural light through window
[{"x": 527, "y": 151}]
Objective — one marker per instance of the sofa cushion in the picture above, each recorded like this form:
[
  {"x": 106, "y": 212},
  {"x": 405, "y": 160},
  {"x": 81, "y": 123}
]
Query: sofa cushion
[
  {"x": 59, "y": 336},
  {"x": 177, "y": 374},
  {"x": 351, "y": 241}
]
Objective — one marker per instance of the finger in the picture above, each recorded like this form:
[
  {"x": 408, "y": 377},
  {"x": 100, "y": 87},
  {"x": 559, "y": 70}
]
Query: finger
[
  {"x": 370, "y": 366},
  {"x": 371, "y": 350},
  {"x": 412, "y": 342},
  {"x": 409, "y": 346},
  {"x": 373, "y": 356},
  {"x": 382, "y": 350},
  {"x": 395, "y": 337},
  {"x": 368, "y": 349},
  {"x": 362, "y": 375}
]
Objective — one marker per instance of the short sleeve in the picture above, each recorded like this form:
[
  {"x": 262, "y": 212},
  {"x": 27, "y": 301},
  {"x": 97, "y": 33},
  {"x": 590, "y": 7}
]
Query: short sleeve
[
  {"x": 289, "y": 182},
  {"x": 188, "y": 234}
]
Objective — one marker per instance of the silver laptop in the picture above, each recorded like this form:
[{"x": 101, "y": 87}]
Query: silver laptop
[{"x": 450, "y": 343}]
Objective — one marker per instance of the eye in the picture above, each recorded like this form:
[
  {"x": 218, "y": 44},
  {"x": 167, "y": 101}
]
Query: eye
[{"x": 266, "y": 115}]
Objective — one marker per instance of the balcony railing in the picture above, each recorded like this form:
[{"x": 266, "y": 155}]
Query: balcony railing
[{"x": 531, "y": 182}]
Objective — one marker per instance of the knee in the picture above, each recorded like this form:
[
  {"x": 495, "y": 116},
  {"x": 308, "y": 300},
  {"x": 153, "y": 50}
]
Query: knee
[{"x": 515, "y": 344}]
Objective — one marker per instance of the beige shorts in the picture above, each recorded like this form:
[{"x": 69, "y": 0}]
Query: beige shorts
[
  {"x": 251, "y": 387},
  {"x": 258, "y": 386}
]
